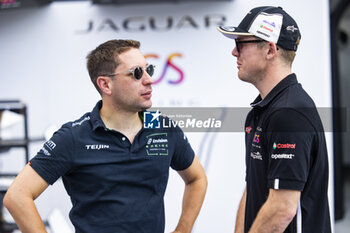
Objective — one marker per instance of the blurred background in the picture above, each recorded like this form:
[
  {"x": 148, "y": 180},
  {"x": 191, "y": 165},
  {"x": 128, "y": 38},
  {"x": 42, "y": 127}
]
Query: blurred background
[{"x": 44, "y": 83}]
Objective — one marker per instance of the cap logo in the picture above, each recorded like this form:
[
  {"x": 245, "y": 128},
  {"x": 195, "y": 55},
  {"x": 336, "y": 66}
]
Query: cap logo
[
  {"x": 269, "y": 23},
  {"x": 292, "y": 28},
  {"x": 267, "y": 26}
]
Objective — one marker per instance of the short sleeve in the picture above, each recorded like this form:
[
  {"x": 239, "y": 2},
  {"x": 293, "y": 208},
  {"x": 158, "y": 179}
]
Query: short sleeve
[
  {"x": 289, "y": 142},
  {"x": 54, "y": 158},
  {"x": 183, "y": 153}
]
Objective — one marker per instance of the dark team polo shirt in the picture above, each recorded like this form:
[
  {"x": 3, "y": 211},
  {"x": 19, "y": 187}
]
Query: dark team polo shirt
[
  {"x": 286, "y": 149},
  {"x": 114, "y": 186}
]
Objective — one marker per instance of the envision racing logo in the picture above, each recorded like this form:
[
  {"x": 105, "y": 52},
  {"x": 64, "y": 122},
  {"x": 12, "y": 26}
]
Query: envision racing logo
[{"x": 157, "y": 144}]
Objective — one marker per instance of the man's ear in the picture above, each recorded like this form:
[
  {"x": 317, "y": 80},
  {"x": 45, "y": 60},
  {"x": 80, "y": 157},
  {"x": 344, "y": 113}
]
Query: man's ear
[
  {"x": 105, "y": 84},
  {"x": 272, "y": 52}
]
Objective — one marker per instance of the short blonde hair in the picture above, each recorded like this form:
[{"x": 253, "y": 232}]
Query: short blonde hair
[{"x": 288, "y": 55}]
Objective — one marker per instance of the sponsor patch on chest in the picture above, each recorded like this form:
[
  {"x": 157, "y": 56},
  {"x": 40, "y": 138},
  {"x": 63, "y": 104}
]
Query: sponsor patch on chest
[{"x": 157, "y": 144}]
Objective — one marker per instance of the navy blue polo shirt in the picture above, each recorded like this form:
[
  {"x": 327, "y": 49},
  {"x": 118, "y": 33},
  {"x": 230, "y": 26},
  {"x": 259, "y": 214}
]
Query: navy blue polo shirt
[
  {"x": 286, "y": 149},
  {"x": 114, "y": 186}
]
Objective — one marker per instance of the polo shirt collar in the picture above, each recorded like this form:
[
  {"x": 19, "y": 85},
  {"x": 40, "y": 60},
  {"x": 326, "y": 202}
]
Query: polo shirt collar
[
  {"x": 96, "y": 118},
  {"x": 286, "y": 82}
]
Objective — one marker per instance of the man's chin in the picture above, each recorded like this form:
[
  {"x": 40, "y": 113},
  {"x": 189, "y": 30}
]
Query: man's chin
[
  {"x": 146, "y": 106},
  {"x": 242, "y": 78}
]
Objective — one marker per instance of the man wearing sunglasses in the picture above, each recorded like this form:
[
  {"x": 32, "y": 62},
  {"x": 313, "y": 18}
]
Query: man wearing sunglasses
[
  {"x": 286, "y": 155},
  {"x": 114, "y": 170}
]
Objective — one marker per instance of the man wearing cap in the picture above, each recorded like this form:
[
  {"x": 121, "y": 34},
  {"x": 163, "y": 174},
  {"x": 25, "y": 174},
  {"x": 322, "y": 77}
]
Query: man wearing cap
[{"x": 286, "y": 154}]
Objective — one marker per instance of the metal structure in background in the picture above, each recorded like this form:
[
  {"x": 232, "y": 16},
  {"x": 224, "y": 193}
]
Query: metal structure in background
[
  {"x": 338, "y": 121},
  {"x": 18, "y": 107}
]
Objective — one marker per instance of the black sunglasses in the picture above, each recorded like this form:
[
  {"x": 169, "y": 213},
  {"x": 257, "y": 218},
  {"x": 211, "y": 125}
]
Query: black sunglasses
[
  {"x": 137, "y": 72},
  {"x": 239, "y": 43}
]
